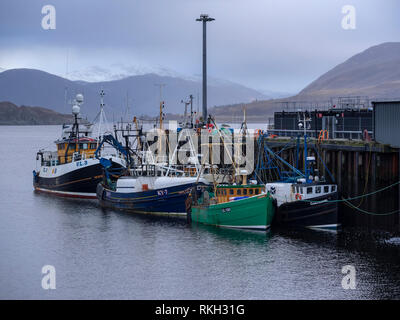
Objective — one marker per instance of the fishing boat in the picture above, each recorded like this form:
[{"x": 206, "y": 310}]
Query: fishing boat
[
  {"x": 233, "y": 205},
  {"x": 149, "y": 193},
  {"x": 72, "y": 170},
  {"x": 304, "y": 198},
  {"x": 146, "y": 187},
  {"x": 245, "y": 206},
  {"x": 306, "y": 204}
]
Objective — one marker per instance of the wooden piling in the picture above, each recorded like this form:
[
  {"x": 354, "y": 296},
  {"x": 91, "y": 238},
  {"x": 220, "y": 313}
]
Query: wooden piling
[
  {"x": 358, "y": 166},
  {"x": 339, "y": 168}
]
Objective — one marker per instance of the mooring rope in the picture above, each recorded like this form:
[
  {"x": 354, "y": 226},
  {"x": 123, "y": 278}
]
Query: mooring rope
[
  {"x": 347, "y": 201},
  {"x": 358, "y": 197},
  {"x": 369, "y": 212},
  {"x": 367, "y": 175}
]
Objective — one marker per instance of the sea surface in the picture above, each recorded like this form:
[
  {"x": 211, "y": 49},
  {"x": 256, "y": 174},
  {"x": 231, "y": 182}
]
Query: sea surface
[{"x": 106, "y": 254}]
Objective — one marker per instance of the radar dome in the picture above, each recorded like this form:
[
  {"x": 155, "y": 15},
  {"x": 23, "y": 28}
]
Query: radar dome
[
  {"x": 76, "y": 109},
  {"x": 79, "y": 98}
]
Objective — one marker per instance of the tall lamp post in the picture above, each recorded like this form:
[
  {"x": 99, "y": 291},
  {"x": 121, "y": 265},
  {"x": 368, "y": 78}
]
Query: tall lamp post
[{"x": 205, "y": 18}]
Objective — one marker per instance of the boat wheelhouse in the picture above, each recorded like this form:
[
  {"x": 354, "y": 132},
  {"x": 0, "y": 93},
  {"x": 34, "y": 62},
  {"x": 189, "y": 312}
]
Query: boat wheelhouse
[
  {"x": 75, "y": 149},
  {"x": 226, "y": 193}
]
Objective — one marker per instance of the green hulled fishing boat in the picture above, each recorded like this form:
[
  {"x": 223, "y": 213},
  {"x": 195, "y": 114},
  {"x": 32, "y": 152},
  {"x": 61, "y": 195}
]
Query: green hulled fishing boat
[{"x": 234, "y": 206}]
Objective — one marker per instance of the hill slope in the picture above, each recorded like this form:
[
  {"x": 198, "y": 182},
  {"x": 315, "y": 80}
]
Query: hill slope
[
  {"x": 34, "y": 87},
  {"x": 10, "y": 114},
  {"x": 374, "y": 72}
]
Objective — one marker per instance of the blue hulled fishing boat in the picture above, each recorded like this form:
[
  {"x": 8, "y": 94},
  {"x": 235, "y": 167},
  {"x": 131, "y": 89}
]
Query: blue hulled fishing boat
[
  {"x": 146, "y": 187},
  {"x": 156, "y": 195}
]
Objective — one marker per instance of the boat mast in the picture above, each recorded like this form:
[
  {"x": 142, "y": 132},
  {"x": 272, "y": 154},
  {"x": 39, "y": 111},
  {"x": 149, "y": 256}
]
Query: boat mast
[
  {"x": 75, "y": 127},
  {"x": 101, "y": 118},
  {"x": 101, "y": 114},
  {"x": 303, "y": 123},
  {"x": 76, "y": 111},
  {"x": 191, "y": 110}
]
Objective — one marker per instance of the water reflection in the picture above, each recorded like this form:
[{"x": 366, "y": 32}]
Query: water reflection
[{"x": 108, "y": 254}]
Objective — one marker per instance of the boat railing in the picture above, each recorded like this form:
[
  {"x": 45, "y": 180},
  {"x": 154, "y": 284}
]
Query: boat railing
[{"x": 145, "y": 170}]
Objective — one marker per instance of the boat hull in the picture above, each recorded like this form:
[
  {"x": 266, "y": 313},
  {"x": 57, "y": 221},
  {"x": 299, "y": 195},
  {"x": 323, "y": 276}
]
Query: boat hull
[
  {"x": 255, "y": 212},
  {"x": 320, "y": 213},
  {"x": 164, "y": 201},
  {"x": 75, "y": 181}
]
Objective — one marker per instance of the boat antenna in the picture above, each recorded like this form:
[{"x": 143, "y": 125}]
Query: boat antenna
[
  {"x": 191, "y": 110},
  {"x": 102, "y": 117},
  {"x": 161, "y": 85},
  {"x": 304, "y": 123},
  {"x": 76, "y": 108},
  {"x": 127, "y": 109}
]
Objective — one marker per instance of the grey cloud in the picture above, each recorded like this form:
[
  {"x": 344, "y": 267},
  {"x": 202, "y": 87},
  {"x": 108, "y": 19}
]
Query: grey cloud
[{"x": 278, "y": 45}]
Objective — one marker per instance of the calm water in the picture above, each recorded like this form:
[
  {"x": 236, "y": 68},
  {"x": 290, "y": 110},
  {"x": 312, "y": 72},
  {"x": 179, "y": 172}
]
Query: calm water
[{"x": 107, "y": 254}]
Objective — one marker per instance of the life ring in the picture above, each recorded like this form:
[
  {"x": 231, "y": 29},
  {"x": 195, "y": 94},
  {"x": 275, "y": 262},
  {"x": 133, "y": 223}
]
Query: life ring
[{"x": 298, "y": 196}]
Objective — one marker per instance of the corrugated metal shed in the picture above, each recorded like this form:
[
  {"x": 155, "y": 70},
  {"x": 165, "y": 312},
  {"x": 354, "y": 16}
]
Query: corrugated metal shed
[{"x": 387, "y": 122}]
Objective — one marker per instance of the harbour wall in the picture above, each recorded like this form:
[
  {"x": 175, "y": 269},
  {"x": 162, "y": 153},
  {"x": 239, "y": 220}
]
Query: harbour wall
[{"x": 359, "y": 168}]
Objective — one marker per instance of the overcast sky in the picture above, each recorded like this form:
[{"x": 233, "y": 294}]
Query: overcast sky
[{"x": 279, "y": 45}]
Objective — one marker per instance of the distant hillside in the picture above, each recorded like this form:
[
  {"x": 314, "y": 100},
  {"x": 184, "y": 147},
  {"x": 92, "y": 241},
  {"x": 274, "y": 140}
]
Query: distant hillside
[
  {"x": 374, "y": 72},
  {"x": 10, "y": 114},
  {"x": 34, "y": 87}
]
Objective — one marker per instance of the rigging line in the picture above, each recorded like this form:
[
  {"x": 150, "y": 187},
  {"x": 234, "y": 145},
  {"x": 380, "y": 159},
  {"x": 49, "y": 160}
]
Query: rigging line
[{"x": 325, "y": 166}]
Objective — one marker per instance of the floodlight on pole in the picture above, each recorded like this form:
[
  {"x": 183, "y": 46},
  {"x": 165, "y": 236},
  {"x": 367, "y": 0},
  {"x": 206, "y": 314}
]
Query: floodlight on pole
[{"x": 205, "y": 18}]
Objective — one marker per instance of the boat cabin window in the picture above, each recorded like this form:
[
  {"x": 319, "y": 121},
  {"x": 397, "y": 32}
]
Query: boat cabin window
[
  {"x": 326, "y": 189},
  {"x": 317, "y": 189},
  {"x": 93, "y": 146},
  {"x": 301, "y": 190},
  {"x": 224, "y": 192},
  {"x": 309, "y": 190},
  {"x": 239, "y": 192},
  {"x": 251, "y": 191},
  {"x": 231, "y": 191},
  {"x": 85, "y": 146},
  {"x": 293, "y": 189},
  {"x": 244, "y": 191},
  {"x": 333, "y": 189},
  {"x": 257, "y": 191}
]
